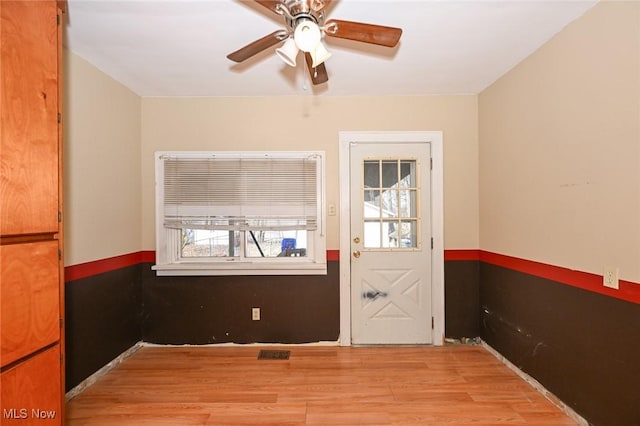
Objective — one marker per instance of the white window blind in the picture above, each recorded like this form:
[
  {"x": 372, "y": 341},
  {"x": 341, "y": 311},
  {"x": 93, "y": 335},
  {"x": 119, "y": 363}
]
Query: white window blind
[{"x": 267, "y": 192}]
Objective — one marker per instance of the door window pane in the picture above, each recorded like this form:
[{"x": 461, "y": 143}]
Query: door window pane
[
  {"x": 409, "y": 234},
  {"x": 408, "y": 174},
  {"x": 372, "y": 235},
  {"x": 408, "y": 206},
  {"x": 390, "y": 234},
  {"x": 372, "y": 174},
  {"x": 390, "y": 174},
  {"x": 389, "y": 203},
  {"x": 371, "y": 203}
]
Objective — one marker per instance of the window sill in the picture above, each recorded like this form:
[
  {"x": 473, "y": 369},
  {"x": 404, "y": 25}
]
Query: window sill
[{"x": 239, "y": 268}]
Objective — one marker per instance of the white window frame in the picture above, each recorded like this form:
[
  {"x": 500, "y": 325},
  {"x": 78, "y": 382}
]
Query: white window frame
[{"x": 169, "y": 261}]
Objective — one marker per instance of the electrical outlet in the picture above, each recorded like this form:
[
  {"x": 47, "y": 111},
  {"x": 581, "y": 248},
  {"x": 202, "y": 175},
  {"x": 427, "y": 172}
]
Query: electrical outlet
[
  {"x": 332, "y": 209},
  {"x": 610, "y": 277},
  {"x": 255, "y": 314}
]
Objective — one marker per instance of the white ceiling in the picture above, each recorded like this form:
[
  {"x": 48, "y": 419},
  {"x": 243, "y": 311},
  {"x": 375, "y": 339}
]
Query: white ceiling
[{"x": 179, "y": 47}]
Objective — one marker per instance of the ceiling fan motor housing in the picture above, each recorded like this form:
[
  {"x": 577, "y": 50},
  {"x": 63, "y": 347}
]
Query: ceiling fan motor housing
[
  {"x": 297, "y": 11},
  {"x": 304, "y": 6},
  {"x": 296, "y": 7}
]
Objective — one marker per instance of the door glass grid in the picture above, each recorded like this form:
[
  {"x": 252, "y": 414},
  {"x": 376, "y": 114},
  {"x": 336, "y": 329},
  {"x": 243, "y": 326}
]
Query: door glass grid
[{"x": 391, "y": 208}]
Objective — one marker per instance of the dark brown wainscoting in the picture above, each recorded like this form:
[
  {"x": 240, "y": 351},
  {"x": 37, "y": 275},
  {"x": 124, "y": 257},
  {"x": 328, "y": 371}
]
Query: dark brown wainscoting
[
  {"x": 294, "y": 309},
  {"x": 217, "y": 309},
  {"x": 462, "y": 298},
  {"x": 582, "y": 346},
  {"x": 103, "y": 319}
]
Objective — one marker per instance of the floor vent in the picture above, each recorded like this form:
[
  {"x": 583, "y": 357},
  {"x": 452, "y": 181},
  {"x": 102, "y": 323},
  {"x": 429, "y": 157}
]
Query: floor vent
[{"x": 264, "y": 354}]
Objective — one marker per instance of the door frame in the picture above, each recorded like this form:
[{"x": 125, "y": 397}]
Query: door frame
[{"x": 437, "y": 223}]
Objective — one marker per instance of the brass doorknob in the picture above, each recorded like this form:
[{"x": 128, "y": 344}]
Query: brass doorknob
[
  {"x": 356, "y": 254},
  {"x": 356, "y": 240}
]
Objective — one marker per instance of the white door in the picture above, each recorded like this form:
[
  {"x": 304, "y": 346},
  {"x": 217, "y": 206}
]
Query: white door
[{"x": 390, "y": 230}]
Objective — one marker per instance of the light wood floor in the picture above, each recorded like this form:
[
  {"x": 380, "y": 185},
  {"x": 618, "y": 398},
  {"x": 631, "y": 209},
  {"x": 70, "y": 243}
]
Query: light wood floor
[{"x": 451, "y": 385}]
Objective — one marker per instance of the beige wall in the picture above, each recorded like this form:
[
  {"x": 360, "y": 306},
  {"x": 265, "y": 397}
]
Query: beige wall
[
  {"x": 101, "y": 164},
  {"x": 111, "y": 134},
  {"x": 560, "y": 148},
  {"x": 313, "y": 123}
]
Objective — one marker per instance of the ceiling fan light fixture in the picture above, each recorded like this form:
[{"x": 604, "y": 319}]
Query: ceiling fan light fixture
[
  {"x": 288, "y": 52},
  {"x": 307, "y": 35},
  {"x": 305, "y": 27},
  {"x": 319, "y": 55}
]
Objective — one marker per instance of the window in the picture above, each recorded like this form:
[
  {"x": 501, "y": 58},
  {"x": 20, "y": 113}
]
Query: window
[
  {"x": 240, "y": 213},
  {"x": 391, "y": 194}
]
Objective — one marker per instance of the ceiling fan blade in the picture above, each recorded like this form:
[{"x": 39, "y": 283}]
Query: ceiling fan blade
[
  {"x": 367, "y": 33},
  {"x": 319, "y": 73},
  {"x": 270, "y": 4},
  {"x": 258, "y": 46}
]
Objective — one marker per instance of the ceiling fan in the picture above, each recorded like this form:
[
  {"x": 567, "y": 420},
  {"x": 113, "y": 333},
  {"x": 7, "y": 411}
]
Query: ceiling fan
[{"x": 305, "y": 27}]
